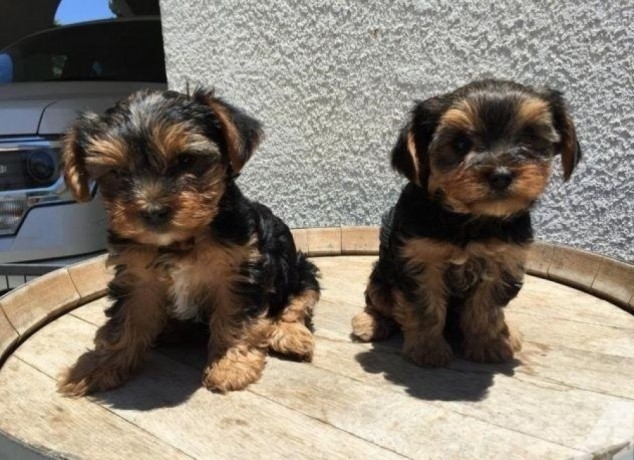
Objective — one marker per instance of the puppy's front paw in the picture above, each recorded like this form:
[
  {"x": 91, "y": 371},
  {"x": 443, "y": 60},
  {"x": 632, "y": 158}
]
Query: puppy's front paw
[
  {"x": 292, "y": 339},
  {"x": 234, "y": 371},
  {"x": 369, "y": 326},
  {"x": 90, "y": 374},
  {"x": 436, "y": 353}
]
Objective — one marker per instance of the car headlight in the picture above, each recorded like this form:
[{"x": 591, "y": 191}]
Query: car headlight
[{"x": 29, "y": 176}]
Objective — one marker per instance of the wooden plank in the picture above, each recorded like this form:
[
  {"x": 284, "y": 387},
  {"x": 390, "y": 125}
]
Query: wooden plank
[
  {"x": 554, "y": 402},
  {"x": 573, "y": 266},
  {"x": 91, "y": 277},
  {"x": 196, "y": 360},
  {"x": 353, "y": 274},
  {"x": 540, "y": 360},
  {"x": 8, "y": 335},
  {"x": 548, "y": 299},
  {"x": 572, "y": 334},
  {"x": 346, "y": 279},
  {"x": 324, "y": 241},
  {"x": 545, "y": 374},
  {"x": 549, "y": 383},
  {"x": 382, "y": 415},
  {"x": 359, "y": 240},
  {"x": 93, "y": 312},
  {"x": 351, "y": 297},
  {"x": 35, "y": 414},
  {"x": 166, "y": 399},
  {"x": 34, "y": 303},
  {"x": 503, "y": 398},
  {"x": 333, "y": 318},
  {"x": 410, "y": 426},
  {"x": 347, "y": 265},
  {"x": 300, "y": 236},
  {"x": 615, "y": 280},
  {"x": 539, "y": 258},
  {"x": 584, "y": 370}
]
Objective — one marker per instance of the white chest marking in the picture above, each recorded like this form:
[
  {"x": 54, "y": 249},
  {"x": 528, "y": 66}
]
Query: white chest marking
[{"x": 183, "y": 293}]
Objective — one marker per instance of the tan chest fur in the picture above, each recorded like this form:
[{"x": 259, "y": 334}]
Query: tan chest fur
[
  {"x": 188, "y": 282},
  {"x": 204, "y": 277},
  {"x": 478, "y": 261}
]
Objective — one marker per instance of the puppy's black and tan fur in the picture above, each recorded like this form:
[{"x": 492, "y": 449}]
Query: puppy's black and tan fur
[
  {"x": 185, "y": 242},
  {"x": 453, "y": 249}
]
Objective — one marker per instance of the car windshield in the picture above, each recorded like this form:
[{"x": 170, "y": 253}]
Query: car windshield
[{"x": 117, "y": 50}]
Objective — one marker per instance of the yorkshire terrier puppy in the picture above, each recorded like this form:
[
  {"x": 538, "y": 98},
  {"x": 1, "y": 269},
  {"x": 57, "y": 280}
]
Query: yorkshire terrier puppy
[
  {"x": 185, "y": 242},
  {"x": 453, "y": 249}
]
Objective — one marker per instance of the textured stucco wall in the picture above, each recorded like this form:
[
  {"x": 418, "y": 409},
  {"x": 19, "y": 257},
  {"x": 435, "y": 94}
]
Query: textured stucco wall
[{"x": 332, "y": 81}]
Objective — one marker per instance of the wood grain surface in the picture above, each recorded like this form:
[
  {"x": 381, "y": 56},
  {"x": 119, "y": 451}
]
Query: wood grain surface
[{"x": 569, "y": 394}]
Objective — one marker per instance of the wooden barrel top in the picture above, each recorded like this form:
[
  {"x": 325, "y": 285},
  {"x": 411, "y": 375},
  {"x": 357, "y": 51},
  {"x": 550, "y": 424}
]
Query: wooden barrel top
[{"x": 569, "y": 394}]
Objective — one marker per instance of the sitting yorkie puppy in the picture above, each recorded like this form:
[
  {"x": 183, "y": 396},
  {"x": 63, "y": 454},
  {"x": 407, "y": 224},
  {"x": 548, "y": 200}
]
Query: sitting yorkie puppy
[
  {"x": 185, "y": 242},
  {"x": 453, "y": 249}
]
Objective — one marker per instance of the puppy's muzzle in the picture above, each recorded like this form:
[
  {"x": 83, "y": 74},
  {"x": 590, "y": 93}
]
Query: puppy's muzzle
[
  {"x": 500, "y": 179},
  {"x": 156, "y": 216}
]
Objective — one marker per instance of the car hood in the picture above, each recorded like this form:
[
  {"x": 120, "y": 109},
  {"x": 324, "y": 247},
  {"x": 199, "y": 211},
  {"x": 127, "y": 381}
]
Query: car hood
[{"x": 47, "y": 108}]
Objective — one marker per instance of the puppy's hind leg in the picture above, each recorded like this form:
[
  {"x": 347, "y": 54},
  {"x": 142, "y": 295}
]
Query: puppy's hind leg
[
  {"x": 373, "y": 323},
  {"x": 290, "y": 334}
]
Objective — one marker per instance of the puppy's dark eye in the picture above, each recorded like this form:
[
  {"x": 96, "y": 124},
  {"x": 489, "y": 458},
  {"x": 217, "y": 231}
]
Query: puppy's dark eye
[
  {"x": 530, "y": 143},
  {"x": 116, "y": 173},
  {"x": 186, "y": 159},
  {"x": 541, "y": 149},
  {"x": 528, "y": 133},
  {"x": 462, "y": 145}
]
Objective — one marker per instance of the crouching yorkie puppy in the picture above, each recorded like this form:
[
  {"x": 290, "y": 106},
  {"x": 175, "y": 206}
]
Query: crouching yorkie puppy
[
  {"x": 185, "y": 243},
  {"x": 453, "y": 249}
]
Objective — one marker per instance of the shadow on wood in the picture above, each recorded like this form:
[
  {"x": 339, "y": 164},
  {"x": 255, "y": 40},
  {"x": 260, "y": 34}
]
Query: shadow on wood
[
  {"x": 178, "y": 386},
  {"x": 470, "y": 383},
  {"x": 180, "y": 341}
]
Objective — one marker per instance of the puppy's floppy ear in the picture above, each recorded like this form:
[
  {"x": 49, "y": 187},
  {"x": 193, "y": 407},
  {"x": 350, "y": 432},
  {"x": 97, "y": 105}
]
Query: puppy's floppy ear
[
  {"x": 241, "y": 133},
  {"x": 404, "y": 155},
  {"x": 73, "y": 156},
  {"x": 568, "y": 146},
  {"x": 410, "y": 153}
]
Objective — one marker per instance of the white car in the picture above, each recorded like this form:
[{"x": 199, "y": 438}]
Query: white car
[{"x": 46, "y": 79}]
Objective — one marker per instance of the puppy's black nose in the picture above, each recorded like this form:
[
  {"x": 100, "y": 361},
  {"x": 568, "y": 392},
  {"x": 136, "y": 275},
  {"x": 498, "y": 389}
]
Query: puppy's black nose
[
  {"x": 156, "y": 215},
  {"x": 500, "y": 179}
]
